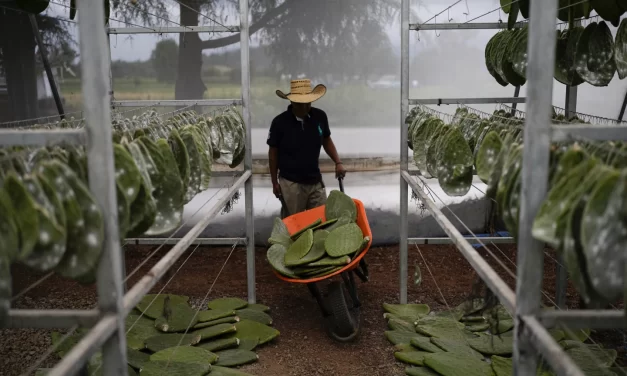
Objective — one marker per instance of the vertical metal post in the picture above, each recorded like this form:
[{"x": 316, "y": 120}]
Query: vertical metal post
[
  {"x": 530, "y": 257},
  {"x": 561, "y": 275},
  {"x": 46, "y": 63},
  {"x": 95, "y": 85},
  {"x": 248, "y": 160},
  {"x": 516, "y": 95},
  {"x": 404, "y": 150},
  {"x": 622, "y": 109}
]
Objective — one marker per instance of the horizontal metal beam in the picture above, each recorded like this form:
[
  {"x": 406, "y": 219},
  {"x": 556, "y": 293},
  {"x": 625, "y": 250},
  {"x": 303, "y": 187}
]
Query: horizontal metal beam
[
  {"x": 584, "y": 319},
  {"x": 464, "y": 26},
  {"x": 485, "y": 240},
  {"x": 42, "y": 137},
  {"x": 147, "y": 282},
  {"x": 485, "y": 271},
  {"x": 51, "y": 318},
  {"x": 74, "y": 360},
  {"x": 544, "y": 343},
  {"x": 589, "y": 132},
  {"x": 198, "y": 241},
  {"x": 173, "y": 29},
  {"x": 440, "y": 101},
  {"x": 175, "y": 103}
]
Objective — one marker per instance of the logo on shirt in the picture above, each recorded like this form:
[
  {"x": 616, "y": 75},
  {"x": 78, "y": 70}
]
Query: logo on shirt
[{"x": 319, "y": 129}]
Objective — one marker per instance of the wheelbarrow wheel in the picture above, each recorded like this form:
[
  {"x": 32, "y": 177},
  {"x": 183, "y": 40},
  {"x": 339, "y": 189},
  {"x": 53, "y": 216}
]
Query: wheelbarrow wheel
[{"x": 341, "y": 324}]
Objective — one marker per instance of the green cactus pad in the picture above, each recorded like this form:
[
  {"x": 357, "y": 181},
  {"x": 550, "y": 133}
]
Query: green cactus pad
[
  {"x": 154, "y": 309},
  {"x": 165, "y": 368},
  {"x": 413, "y": 312},
  {"x": 225, "y": 371},
  {"x": 185, "y": 354},
  {"x": 344, "y": 240},
  {"x": 26, "y": 216},
  {"x": 411, "y": 320},
  {"x": 280, "y": 234},
  {"x": 261, "y": 307},
  {"x": 225, "y": 320},
  {"x": 180, "y": 318},
  {"x": 411, "y": 357},
  {"x": 167, "y": 340},
  {"x": 215, "y": 314},
  {"x": 137, "y": 359},
  {"x": 440, "y": 327},
  {"x": 402, "y": 325},
  {"x": 227, "y": 304},
  {"x": 343, "y": 220},
  {"x": 254, "y": 315},
  {"x": 324, "y": 224},
  {"x": 181, "y": 156},
  {"x": 332, "y": 261},
  {"x": 299, "y": 248},
  {"x": 425, "y": 344},
  {"x": 457, "y": 347},
  {"x": 487, "y": 155},
  {"x": 323, "y": 272},
  {"x": 420, "y": 371},
  {"x": 492, "y": 345},
  {"x": 397, "y": 337},
  {"x": 236, "y": 357},
  {"x": 195, "y": 163},
  {"x": 127, "y": 175},
  {"x": 311, "y": 226},
  {"x": 141, "y": 328},
  {"x": 317, "y": 250},
  {"x": 276, "y": 257},
  {"x": 214, "y": 331},
  {"x": 254, "y": 330},
  {"x": 478, "y": 326},
  {"x": 339, "y": 204},
  {"x": 450, "y": 364},
  {"x": 219, "y": 344},
  {"x": 502, "y": 366},
  {"x": 248, "y": 344}
]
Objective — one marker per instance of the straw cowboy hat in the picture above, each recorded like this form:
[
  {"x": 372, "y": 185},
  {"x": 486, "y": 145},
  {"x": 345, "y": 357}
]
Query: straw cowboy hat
[{"x": 301, "y": 92}]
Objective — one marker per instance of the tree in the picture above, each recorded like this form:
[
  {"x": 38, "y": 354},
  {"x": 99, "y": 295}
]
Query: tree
[{"x": 164, "y": 60}]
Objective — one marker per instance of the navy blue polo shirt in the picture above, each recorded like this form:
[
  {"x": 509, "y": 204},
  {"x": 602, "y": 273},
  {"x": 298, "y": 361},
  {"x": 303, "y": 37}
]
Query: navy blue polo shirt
[{"x": 299, "y": 143}]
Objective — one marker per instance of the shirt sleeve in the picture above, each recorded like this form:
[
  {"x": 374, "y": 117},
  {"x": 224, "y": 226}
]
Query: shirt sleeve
[
  {"x": 326, "y": 131},
  {"x": 274, "y": 135}
]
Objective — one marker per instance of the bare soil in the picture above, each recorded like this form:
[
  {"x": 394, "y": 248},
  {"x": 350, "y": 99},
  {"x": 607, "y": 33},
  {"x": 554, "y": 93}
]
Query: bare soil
[{"x": 303, "y": 347}]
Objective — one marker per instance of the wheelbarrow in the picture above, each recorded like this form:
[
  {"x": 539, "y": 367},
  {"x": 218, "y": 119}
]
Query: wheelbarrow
[{"x": 341, "y": 305}]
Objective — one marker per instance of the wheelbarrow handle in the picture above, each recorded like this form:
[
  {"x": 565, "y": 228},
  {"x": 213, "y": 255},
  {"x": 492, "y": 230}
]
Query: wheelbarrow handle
[{"x": 341, "y": 181}]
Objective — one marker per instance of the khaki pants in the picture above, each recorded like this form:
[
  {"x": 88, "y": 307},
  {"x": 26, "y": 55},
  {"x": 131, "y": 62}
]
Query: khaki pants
[{"x": 300, "y": 197}]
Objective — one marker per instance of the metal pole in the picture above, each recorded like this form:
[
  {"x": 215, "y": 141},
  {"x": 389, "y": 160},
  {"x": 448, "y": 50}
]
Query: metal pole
[
  {"x": 622, "y": 109},
  {"x": 516, "y": 95},
  {"x": 404, "y": 150},
  {"x": 46, "y": 62},
  {"x": 248, "y": 160},
  {"x": 571, "y": 101},
  {"x": 95, "y": 84},
  {"x": 530, "y": 256}
]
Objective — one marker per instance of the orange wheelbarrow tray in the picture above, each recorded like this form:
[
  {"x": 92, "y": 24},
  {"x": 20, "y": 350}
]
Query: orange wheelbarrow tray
[{"x": 342, "y": 318}]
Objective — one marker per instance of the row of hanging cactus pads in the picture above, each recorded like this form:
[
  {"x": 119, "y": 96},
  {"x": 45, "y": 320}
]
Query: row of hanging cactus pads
[{"x": 49, "y": 219}]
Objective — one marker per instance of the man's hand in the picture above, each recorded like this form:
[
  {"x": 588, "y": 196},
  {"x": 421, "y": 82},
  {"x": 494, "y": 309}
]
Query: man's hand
[
  {"x": 276, "y": 189},
  {"x": 340, "y": 171}
]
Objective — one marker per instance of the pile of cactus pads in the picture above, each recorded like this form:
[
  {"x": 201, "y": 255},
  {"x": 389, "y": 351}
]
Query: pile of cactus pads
[
  {"x": 321, "y": 248},
  {"x": 476, "y": 341},
  {"x": 166, "y": 336}
]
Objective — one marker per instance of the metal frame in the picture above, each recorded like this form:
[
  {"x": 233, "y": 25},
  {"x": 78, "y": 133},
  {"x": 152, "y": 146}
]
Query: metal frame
[
  {"x": 530, "y": 333},
  {"x": 107, "y": 321}
]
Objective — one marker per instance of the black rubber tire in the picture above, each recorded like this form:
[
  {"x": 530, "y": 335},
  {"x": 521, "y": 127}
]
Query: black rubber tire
[{"x": 341, "y": 324}]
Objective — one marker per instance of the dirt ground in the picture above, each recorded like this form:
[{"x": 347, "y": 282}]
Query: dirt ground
[{"x": 303, "y": 347}]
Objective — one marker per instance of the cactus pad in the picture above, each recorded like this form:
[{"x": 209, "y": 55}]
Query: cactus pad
[
  {"x": 215, "y": 314},
  {"x": 425, "y": 344},
  {"x": 332, "y": 261},
  {"x": 420, "y": 371},
  {"x": 214, "y": 331},
  {"x": 299, "y": 248},
  {"x": 276, "y": 258},
  {"x": 339, "y": 204},
  {"x": 254, "y": 330},
  {"x": 165, "y": 368},
  {"x": 311, "y": 226},
  {"x": 185, "y": 354},
  {"x": 154, "y": 309},
  {"x": 167, "y": 340},
  {"x": 248, "y": 344},
  {"x": 225, "y": 371},
  {"x": 254, "y": 315},
  {"x": 236, "y": 357},
  {"x": 317, "y": 250},
  {"x": 227, "y": 304},
  {"x": 141, "y": 328},
  {"x": 280, "y": 234},
  {"x": 180, "y": 318},
  {"x": 457, "y": 347},
  {"x": 402, "y": 325},
  {"x": 261, "y": 307},
  {"x": 492, "y": 345},
  {"x": 344, "y": 240},
  {"x": 450, "y": 364},
  {"x": 440, "y": 327},
  {"x": 411, "y": 311},
  {"x": 397, "y": 337},
  {"x": 225, "y": 320},
  {"x": 411, "y": 357},
  {"x": 137, "y": 359},
  {"x": 219, "y": 344}
]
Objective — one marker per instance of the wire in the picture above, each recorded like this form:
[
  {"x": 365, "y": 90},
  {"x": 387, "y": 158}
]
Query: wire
[
  {"x": 202, "y": 15},
  {"x": 49, "y": 352},
  {"x": 447, "y": 8},
  {"x": 32, "y": 286}
]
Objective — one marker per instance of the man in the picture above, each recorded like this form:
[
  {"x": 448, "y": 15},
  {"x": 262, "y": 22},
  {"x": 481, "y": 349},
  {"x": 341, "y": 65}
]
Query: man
[{"x": 295, "y": 139}]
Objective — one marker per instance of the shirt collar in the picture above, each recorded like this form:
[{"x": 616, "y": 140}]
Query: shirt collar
[{"x": 289, "y": 109}]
